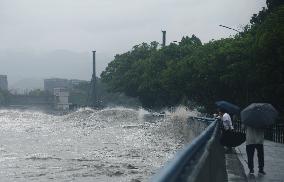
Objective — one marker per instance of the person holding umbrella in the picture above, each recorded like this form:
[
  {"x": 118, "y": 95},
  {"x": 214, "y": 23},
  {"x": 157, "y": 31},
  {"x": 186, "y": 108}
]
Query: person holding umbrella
[
  {"x": 229, "y": 137},
  {"x": 226, "y": 120},
  {"x": 256, "y": 117},
  {"x": 227, "y": 128}
]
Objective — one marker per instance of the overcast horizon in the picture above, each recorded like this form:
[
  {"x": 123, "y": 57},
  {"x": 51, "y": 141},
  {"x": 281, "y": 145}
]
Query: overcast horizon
[{"x": 54, "y": 38}]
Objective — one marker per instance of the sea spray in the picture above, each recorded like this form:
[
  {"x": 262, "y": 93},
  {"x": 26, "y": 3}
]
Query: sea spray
[
  {"x": 184, "y": 123},
  {"x": 182, "y": 113},
  {"x": 141, "y": 113}
]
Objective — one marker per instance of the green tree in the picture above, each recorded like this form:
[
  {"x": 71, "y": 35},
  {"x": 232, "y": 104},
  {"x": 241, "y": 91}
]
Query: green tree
[{"x": 243, "y": 69}]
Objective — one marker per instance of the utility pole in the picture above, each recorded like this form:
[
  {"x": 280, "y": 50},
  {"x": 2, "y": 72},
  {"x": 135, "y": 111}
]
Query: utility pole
[
  {"x": 93, "y": 82},
  {"x": 164, "y": 38}
]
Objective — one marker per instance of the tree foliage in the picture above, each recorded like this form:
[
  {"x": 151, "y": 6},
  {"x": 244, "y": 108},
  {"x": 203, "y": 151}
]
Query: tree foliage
[{"x": 246, "y": 68}]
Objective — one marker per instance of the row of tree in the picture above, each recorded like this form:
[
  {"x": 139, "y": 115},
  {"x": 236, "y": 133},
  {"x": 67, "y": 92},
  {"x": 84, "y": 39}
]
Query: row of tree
[
  {"x": 246, "y": 68},
  {"x": 80, "y": 95}
]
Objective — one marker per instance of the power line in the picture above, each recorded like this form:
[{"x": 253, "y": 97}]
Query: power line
[{"x": 229, "y": 28}]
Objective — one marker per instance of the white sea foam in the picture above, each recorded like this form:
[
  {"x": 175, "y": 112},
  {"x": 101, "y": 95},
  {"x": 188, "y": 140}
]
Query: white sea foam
[{"x": 104, "y": 145}]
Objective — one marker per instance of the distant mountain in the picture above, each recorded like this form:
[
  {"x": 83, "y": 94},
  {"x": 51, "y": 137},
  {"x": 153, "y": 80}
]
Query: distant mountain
[{"x": 49, "y": 64}]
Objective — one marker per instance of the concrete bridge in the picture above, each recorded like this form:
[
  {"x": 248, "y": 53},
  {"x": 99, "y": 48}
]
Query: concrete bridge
[{"x": 205, "y": 160}]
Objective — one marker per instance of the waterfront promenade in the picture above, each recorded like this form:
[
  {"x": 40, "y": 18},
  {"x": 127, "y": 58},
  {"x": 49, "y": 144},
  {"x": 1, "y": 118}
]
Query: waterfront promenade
[{"x": 273, "y": 164}]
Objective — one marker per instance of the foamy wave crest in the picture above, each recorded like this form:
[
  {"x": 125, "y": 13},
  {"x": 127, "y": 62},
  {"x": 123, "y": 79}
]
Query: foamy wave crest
[
  {"x": 141, "y": 113},
  {"x": 182, "y": 113}
]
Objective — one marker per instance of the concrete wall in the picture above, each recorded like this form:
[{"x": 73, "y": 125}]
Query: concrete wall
[
  {"x": 210, "y": 165},
  {"x": 203, "y": 160}
]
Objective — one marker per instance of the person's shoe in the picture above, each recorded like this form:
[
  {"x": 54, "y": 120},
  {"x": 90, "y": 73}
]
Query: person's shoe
[
  {"x": 251, "y": 171},
  {"x": 262, "y": 172}
]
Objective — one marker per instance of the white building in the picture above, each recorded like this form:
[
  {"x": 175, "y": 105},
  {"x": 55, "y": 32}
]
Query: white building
[
  {"x": 75, "y": 82},
  {"x": 50, "y": 84},
  {"x": 61, "y": 96},
  {"x": 3, "y": 82}
]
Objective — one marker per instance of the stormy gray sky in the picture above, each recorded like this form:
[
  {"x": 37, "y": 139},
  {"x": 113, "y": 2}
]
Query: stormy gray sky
[{"x": 54, "y": 38}]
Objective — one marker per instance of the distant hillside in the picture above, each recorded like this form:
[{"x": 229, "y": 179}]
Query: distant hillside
[
  {"x": 26, "y": 84},
  {"x": 19, "y": 65}
]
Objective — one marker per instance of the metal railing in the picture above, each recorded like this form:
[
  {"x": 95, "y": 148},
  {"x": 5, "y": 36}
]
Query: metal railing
[
  {"x": 198, "y": 160},
  {"x": 273, "y": 133}
]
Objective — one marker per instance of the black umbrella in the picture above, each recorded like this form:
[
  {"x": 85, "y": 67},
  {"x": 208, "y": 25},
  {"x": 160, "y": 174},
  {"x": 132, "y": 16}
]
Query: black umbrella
[
  {"x": 228, "y": 107},
  {"x": 259, "y": 115},
  {"x": 232, "y": 138}
]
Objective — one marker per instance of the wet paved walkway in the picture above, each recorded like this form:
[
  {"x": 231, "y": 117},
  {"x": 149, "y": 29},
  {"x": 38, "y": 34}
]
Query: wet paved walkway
[{"x": 273, "y": 162}]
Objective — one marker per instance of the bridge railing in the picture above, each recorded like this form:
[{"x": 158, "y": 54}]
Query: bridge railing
[{"x": 201, "y": 160}]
